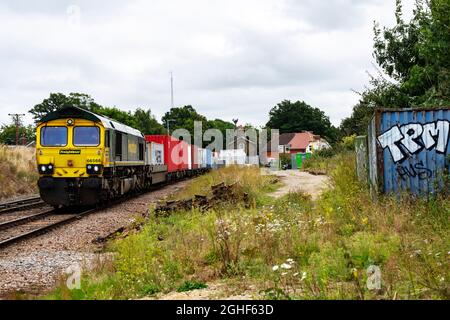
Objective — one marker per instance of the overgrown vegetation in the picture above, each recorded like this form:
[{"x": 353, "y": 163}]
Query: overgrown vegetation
[
  {"x": 414, "y": 61},
  {"x": 321, "y": 162},
  {"x": 289, "y": 248},
  {"x": 18, "y": 174}
]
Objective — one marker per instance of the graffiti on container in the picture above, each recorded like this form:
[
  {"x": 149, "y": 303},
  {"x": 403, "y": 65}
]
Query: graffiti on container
[
  {"x": 412, "y": 138},
  {"x": 413, "y": 171}
]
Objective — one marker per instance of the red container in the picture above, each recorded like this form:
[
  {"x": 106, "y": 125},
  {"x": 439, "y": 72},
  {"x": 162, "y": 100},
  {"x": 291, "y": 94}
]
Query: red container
[
  {"x": 175, "y": 152},
  {"x": 194, "y": 157}
]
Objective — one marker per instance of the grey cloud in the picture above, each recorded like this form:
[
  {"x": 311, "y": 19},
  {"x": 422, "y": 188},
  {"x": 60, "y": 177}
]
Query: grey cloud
[
  {"x": 124, "y": 57},
  {"x": 330, "y": 14}
]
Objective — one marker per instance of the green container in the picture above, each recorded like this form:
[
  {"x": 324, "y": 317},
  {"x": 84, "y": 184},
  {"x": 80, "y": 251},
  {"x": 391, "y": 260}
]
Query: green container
[{"x": 300, "y": 157}]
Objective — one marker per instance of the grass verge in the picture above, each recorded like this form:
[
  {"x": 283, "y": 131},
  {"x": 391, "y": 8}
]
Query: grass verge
[{"x": 18, "y": 174}]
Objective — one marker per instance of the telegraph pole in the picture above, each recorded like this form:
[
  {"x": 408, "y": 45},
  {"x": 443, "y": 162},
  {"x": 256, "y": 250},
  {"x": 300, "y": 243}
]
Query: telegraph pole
[
  {"x": 16, "y": 119},
  {"x": 171, "y": 89}
]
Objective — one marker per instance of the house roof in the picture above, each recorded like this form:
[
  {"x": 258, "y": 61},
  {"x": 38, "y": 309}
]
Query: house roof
[{"x": 297, "y": 140}]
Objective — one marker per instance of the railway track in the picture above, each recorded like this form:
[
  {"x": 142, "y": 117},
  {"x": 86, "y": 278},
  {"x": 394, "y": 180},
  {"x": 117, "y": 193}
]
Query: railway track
[
  {"x": 30, "y": 226},
  {"x": 21, "y": 204}
]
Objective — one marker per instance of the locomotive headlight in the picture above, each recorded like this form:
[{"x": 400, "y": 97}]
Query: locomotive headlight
[
  {"x": 45, "y": 168},
  {"x": 93, "y": 169}
]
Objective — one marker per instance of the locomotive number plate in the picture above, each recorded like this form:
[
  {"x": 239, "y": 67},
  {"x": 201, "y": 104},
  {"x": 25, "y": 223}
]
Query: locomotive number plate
[{"x": 94, "y": 161}]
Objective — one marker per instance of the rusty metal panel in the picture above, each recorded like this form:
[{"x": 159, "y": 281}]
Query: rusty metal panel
[
  {"x": 373, "y": 160},
  {"x": 412, "y": 149},
  {"x": 362, "y": 160}
]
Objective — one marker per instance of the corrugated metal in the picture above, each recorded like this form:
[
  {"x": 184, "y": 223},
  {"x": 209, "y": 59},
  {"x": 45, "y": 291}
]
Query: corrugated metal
[
  {"x": 362, "y": 159},
  {"x": 294, "y": 161},
  {"x": 409, "y": 150},
  {"x": 209, "y": 158}
]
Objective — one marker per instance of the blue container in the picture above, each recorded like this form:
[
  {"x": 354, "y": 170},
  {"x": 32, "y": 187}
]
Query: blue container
[
  {"x": 209, "y": 158},
  {"x": 409, "y": 150}
]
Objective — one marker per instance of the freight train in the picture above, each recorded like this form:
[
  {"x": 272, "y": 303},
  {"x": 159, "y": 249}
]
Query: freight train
[{"x": 87, "y": 159}]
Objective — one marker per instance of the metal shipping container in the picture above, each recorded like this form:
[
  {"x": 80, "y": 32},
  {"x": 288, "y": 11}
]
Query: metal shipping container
[
  {"x": 294, "y": 163},
  {"x": 155, "y": 153},
  {"x": 362, "y": 159},
  {"x": 175, "y": 151},
  {"x": 209, "y": 158},
  {"x": 409, "y": 150}
]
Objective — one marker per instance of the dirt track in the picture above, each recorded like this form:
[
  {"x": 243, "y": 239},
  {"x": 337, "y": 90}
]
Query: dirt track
[{"x": 294, "y": 180}]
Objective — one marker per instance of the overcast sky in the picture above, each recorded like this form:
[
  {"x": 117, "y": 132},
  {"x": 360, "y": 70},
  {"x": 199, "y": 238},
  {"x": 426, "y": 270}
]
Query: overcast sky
[{"x": 230, "y": 58}]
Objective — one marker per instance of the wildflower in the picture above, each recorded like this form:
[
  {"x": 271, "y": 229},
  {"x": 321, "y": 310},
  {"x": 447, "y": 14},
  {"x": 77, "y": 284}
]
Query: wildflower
[
  {"x": 275, "y": 268},
  {"x": 290, "y": 261},
  {"x": 303, "y": 276},
  {"x": 286, "y": 266},
  {"x": 295, "y": 274},
  {"x": 284, "y": 273}
]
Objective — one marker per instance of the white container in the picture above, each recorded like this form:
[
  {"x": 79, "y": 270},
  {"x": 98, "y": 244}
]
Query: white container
[
  {"x": 155, "y": 154},
  {"x": 189, "y": 152}
]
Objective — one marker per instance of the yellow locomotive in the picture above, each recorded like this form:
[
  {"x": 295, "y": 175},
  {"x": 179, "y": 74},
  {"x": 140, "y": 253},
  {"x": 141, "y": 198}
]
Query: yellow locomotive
[{"x": 84, "y": 158}]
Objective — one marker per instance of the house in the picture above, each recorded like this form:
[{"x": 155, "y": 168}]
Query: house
[
  {"x": 301, "y": 142},
  {"x": 242, "y": 145}
]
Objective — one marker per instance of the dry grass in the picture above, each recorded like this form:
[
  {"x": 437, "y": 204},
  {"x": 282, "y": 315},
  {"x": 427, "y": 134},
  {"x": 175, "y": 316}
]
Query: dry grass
[{"x": 18, "y": 174}]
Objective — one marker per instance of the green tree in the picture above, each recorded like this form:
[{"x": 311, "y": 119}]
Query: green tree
[
  {"x": 58, "y": 100},
  {"x": 145, "y": 122},
  {"x": 8, "y": 134},
  {"x": 416, "y": 55},
  {"x": 297, "y": 116},
  {"x": 140, "y": 119},
  {"x": 182, "y": 118}
]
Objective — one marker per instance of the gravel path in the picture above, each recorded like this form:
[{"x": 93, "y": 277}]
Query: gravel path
[
  {"x": 217, "y": 290},
  {"x": 295, "y": 180},
  {"x": 37, "y": 264}
]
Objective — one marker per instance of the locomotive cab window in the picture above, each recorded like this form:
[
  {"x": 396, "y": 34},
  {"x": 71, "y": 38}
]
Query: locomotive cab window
[
  {"x": 54, "y": 136},
  {"x": 86, "y": 136}
]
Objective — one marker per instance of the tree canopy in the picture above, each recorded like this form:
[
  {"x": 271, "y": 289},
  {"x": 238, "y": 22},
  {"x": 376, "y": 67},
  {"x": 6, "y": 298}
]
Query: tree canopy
[
  {"x": 141, "y": 119},
  {"x": 184, "y": 118},
  {"x": 298, "y": 116},
  {"x": 8, "y": 134},
  {"x": 414, "y": 61}
]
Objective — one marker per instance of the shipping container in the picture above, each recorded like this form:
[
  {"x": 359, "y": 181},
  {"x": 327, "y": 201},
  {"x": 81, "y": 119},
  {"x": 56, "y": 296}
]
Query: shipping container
[
  {"x": 175, "y": 151},
  {"x": 362, "y": 160},
  {"x": 209, "y": 159},
  {"x": 190, "y": 159},
  {"x": 409, "y": 150},
  {"x": 155, "y": 153},
  {"x": 298, "y": 159},
  {"x": 194, "y": 156},
  {"x": 294, "y": 163},
  {"x": 203, "y": 158}
]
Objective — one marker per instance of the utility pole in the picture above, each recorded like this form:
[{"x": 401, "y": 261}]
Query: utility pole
[
  {"x": 16, "y": 119},
  {"x": 168, "y": 125},
  {"x": 171, "y": 90}
]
